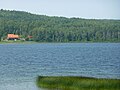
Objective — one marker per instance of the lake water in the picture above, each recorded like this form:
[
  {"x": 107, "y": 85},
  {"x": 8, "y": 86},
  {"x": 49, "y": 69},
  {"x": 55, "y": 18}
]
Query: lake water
[{"x": 20, "y": 64}]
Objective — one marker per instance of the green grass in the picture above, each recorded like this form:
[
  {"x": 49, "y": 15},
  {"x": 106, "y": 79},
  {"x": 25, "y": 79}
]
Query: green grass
[{"x": 77, "y": 83}]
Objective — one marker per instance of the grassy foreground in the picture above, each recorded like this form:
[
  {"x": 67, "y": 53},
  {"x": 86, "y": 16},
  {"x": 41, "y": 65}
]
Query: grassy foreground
[{"x": 77, "y": 83}]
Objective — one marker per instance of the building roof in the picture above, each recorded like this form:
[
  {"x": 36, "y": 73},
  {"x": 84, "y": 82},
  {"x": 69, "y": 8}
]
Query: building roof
[
  {"x": 12, "y": 36},
  {"x": 30, "y": 36}
]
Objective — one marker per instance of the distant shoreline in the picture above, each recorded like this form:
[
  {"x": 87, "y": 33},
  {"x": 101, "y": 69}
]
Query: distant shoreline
[
  {"x": 31, "y": 42},
  {"x": 17, "y": 42},
  {"x": 40, "y": 28}
]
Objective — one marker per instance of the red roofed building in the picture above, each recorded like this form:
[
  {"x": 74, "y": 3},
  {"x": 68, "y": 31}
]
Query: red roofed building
[
  {"x": 30, "y": 37},
  {"x": 12, "y": 37}
]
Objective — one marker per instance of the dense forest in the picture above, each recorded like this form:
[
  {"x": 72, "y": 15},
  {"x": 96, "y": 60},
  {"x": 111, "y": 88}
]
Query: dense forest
[{"x": 58, "y": 29}]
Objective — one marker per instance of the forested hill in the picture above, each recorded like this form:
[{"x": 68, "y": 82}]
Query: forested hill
[{"x": 58, "y": 29}]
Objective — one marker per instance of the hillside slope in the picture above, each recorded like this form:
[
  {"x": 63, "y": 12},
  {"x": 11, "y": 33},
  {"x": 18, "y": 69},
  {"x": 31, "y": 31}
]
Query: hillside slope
[{"x": 58, "y": 29}]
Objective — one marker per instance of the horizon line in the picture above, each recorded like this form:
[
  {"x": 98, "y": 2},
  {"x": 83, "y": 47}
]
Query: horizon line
[{"x": 69, "y": 17}]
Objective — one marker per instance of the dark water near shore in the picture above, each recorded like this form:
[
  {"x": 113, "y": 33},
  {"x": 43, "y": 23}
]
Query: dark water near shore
[{"x": 20, "y": 64}]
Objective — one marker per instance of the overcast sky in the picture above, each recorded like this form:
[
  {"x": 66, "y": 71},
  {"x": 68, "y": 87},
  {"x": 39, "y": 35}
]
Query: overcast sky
[{"x": 91, "y": 9}]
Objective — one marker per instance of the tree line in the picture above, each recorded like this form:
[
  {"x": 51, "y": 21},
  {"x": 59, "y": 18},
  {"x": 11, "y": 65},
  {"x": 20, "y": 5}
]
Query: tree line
[{"x": 58, "y": 29}]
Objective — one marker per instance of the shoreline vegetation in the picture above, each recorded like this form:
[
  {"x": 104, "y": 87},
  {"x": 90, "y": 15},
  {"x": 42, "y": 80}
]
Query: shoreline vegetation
[
  {"x": 17, "y": 42},
  {"x": 31, "y": 42},
  {"x": 77, "y": 83}
]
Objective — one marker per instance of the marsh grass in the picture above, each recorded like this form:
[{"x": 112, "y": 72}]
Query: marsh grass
[{"x": 77, "y": 83}]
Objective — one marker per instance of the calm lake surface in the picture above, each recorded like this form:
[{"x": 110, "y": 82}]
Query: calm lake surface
[{"x": 20, "y": 64}]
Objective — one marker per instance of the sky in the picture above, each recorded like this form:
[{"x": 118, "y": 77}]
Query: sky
[{"x": 89, "y": 9}]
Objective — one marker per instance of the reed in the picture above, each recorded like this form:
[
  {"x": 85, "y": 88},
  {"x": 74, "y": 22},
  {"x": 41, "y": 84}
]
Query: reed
[{"x": 77, "y": 83}]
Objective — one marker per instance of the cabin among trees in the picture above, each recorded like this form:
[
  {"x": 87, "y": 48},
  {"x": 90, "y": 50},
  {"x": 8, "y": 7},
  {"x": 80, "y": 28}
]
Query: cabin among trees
[
  {"x": 17, "y": 37},
  {"x": 13, "y": 37},
  {"x": 29, "y": 38}
]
